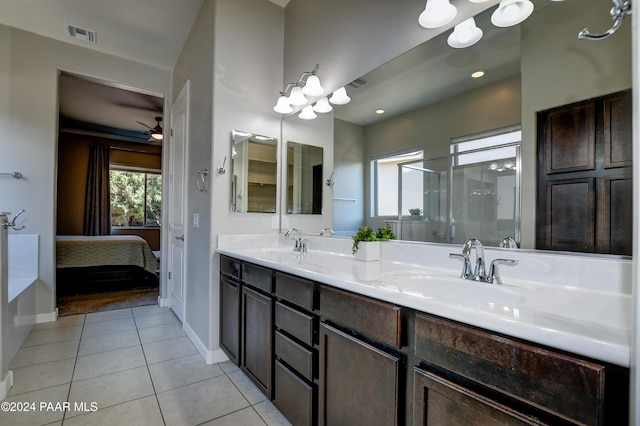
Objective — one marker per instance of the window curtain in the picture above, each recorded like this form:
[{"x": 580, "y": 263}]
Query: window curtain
[{"x": 97, "y": 213}]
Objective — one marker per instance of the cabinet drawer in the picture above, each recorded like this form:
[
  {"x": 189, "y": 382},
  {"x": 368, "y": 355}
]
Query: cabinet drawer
[
  {"x": 296, "y": 323},
  {"x": 556, "y": 383},
  {"x": 379, "y": 320},
  {"x": 258, "y": 276},
  {"x": 295, "y": 290},
  {"x": 293, "y": 397},
  {"x": 295, "y": 355},
  {"x": 437, "y": 400},
  {"x": 229, "y": 266}
]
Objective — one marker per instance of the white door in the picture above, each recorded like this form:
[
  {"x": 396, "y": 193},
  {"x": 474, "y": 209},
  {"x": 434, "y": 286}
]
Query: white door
[{"x": 178, "y": 201}]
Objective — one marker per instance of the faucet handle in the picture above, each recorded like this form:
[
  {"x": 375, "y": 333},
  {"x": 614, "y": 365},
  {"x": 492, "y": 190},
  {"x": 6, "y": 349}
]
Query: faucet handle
[
  {"x": 494, "y": 276},
  {"x": 466, "y": 267}
]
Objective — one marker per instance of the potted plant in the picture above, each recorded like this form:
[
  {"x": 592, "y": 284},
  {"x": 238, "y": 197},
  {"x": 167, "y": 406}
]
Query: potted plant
[
  {"x": 366, "y": 245},
  {"x": 415, "y": 212}
]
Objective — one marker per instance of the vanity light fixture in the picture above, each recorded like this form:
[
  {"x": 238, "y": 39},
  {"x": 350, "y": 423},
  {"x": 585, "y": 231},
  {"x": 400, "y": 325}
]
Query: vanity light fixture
[
  {"x": 312, "y": 87},
  {"x": 340, "y": 97},
  {"x": 297, "y": 96},
  {"x": 465, "y": 34},
  {"x": 437, "y": 13},
  {"x": 322, "y": 106},
  {"x": 307, "y": 113},
  {"x": 477, "y": 74},
  {"x": 283, "y": 106},
  {"x": 511, "y": 12}
]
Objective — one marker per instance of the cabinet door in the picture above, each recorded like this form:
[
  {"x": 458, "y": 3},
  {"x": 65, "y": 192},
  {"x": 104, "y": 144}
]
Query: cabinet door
[
  {"x": 257, "y": 338},
  {"x": 358, "y": 382},
  {"x": 438, "y": 401},
  {"x": 230, "y": 318}
]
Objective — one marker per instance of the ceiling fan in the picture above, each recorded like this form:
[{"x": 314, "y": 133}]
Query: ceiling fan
[{"x": 156, "y": 132}]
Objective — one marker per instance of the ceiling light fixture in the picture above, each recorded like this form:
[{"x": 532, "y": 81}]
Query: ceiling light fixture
[
  {"x": 380, "y": 111},
  {"x": 437, "y": 13},
  {"x": 511, "y": 12},
  {"x": 478, "y": 74},
  {"x": 465, "y": 34}
]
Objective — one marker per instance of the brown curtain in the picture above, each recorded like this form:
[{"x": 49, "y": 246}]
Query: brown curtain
[{"x": 97, "y": 212}]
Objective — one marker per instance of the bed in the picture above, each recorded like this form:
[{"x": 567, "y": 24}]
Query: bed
[{"x": 102, "y": 263}]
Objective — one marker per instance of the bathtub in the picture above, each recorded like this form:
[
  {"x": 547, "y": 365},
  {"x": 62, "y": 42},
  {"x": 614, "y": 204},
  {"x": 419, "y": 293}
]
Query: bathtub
[{"x": 22, "y": 281}]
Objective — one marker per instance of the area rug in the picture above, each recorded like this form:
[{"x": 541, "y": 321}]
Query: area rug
[{"x": 97, "y": 302}]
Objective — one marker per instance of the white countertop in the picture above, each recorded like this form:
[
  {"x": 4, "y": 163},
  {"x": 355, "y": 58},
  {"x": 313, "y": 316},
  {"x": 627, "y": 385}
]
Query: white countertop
[{"x": 580, "y": 320}]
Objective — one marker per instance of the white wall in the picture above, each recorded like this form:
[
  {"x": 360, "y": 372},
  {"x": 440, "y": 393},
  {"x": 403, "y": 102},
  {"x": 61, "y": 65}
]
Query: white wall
[
  {"x": 233, "y": 61},
  {"x": 29, "y": 67},
  {"x": 348, "y": 146}
]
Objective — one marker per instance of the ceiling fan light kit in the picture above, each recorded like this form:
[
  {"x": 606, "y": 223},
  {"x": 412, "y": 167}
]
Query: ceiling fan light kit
[{"x": 155, "y": 132}]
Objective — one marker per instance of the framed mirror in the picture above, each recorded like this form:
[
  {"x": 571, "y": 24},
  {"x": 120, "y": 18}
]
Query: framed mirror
[
  {"x": 254, "y": 171},
  {"x": 304, "y": 178}
]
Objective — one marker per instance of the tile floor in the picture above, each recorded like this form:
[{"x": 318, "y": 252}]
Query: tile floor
[{"x": 137, "y": 367}]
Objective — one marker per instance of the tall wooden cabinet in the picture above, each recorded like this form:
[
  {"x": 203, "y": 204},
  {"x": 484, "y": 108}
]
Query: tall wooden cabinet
[{"x": 584, "y": 179}]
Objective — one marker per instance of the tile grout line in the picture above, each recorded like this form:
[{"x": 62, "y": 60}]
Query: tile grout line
[
  {"x": 73, "y": 370},
  {"x": 153, "y": 386}
]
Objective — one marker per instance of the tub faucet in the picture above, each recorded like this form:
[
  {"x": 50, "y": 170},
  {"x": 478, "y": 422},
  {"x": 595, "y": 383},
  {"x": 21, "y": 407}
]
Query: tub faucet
[{"x": 6, "y": 224}]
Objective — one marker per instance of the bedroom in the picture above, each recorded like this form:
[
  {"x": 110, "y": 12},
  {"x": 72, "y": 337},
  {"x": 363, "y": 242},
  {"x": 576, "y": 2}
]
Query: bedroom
[{"x": 108, "y": 236}]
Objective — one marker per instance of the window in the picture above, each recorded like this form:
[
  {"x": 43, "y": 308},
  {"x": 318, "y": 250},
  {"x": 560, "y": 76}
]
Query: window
[
  {"x": 385, "y": 182},
  {"x": 485, "y": 187},
  {"x": 136, "y": 198}
]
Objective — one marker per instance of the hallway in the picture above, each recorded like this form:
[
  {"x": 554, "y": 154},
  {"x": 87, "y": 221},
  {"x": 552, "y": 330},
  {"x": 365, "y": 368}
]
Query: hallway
[{"x": 128, "y": 366}]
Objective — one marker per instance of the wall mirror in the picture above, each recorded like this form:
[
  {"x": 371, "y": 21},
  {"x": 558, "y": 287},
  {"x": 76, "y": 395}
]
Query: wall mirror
[
  {"x": 254, "y": 169},
  {"x": 430, "y": 100},
  {"x": 304, "y": 178}
]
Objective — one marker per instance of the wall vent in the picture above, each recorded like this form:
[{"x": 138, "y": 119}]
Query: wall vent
[{"x": 82, "y": 34}]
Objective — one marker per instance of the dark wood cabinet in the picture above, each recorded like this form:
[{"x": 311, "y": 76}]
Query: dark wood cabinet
[
  {"x": 585, "y": 176},
  {"x": 257, "y": 338},
  {"x": 438, "y": 401},
  {"x": 359, "y": 383},
  {"x": 536, "y": 385},
  {"x": 230, "y": 318}
]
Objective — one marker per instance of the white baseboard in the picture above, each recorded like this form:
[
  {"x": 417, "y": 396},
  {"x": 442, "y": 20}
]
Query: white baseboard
[
  {"x": 48, "y": 317},
  {"x": 163, "y": 303},
  {"x": 6, "y": 384},
  {"x": 209, "y": 356}
]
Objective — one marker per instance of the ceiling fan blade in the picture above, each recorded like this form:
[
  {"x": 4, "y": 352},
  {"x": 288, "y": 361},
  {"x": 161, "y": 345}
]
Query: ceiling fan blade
[{"x": 145, "y": 125}]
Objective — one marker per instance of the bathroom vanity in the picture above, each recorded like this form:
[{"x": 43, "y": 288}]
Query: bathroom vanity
[{"x": 413, "y": 345}]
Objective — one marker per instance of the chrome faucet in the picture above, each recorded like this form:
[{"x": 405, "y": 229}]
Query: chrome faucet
[
  {"x": 479, "y": 271},
  {"x": 508, "y": 242},
  {"x": 327, "y": 231},
  {"x": 6, "y": 224},
  {"x": 300, "y": 244}
]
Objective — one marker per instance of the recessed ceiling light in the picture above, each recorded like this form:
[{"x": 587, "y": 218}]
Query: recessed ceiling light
[
  {"x": 379, "y": 111},
  {"x": 477, "y": 74}
]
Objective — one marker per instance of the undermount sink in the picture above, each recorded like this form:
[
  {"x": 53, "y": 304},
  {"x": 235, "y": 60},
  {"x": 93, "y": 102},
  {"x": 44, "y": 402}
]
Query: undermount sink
[{"x": 447, "y": 288}]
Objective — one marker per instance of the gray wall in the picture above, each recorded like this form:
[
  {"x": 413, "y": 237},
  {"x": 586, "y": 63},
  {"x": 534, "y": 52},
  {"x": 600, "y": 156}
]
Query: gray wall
[{"x": 349, "y": 153}]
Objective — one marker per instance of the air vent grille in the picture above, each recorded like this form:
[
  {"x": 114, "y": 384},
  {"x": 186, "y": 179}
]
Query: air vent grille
[{"x": 82, "y": 34}]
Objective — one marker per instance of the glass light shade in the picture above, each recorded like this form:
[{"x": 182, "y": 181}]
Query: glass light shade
[
  {"x": 322, "y": 106},
  {"x": 340, "y": 97},
  {"x": 297, "y": 97},
  {"x": 307, "y": 113},
  {"x": 511, "y": 12},
  {"x": 437, "y": 13},
  {"x": 157, "y": 136},
  {"x": 283, "y": 106},
  {"x": 465, "y": 34},
  {"x": 313, "y": 87}
]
